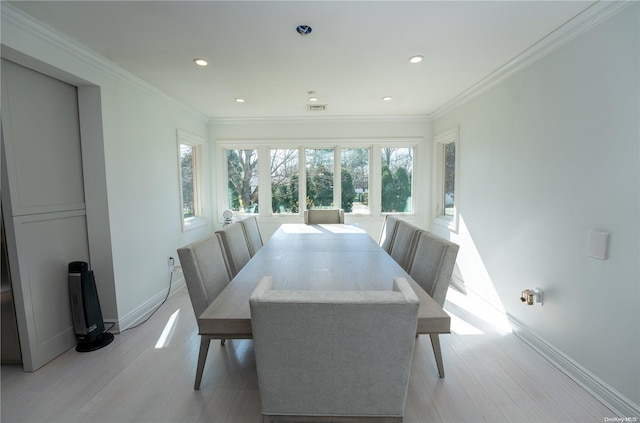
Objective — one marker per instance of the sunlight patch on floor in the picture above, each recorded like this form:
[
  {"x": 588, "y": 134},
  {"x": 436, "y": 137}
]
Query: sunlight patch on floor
[
  {"x": 167, "y": 332},
  {"x": 479, "y": 309},
  {"x": 460, "y": 327}
]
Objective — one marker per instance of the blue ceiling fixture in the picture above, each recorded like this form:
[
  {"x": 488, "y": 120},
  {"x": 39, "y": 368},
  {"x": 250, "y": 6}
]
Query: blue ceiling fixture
[{"x": 304, "y": 30}]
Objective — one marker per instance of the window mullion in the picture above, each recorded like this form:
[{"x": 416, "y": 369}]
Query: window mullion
[
  {"x": 337, "y": 177},
  {"x": 302, "y": 180},
  {"x": 264, "y": 182},
  {"x": 375, "y": 175}
]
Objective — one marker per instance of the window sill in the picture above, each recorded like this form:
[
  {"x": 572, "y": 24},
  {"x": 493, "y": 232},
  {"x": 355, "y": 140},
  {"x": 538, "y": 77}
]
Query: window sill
[
  {"x": 193, "y": 223},
  {"x": 448, "y": 222}
]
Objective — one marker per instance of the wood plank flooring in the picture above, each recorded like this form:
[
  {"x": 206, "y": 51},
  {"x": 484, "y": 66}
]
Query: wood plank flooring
[{"x": 490, "y": 377}]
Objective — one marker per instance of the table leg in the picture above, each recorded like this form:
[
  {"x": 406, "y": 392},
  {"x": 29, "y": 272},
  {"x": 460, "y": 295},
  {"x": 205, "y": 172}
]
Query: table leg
[
  {"x": 435, "y": 344},
  {"x": 202, "y": 357}
]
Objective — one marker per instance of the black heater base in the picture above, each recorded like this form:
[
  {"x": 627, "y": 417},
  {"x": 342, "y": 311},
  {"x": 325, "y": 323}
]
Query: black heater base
[{"x": 102, "y": 341}]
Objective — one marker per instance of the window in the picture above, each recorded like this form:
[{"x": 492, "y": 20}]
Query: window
[
  {"x": 284, "y": 181},
  {"x": 189, "y": 149},
  {"x": 449, "y": 176},
  {"x": 242, "y": 168},
  {"x": 187, "y": 153},
  {"x": 396, "y": 180},
  {"x": 363, "y": 177},
  {"x": 446, "y": 180},
  {"x": 354, "y": 176}
]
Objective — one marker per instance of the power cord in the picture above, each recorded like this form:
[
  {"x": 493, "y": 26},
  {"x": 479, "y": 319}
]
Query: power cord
[{"x": 157, "y": 308}]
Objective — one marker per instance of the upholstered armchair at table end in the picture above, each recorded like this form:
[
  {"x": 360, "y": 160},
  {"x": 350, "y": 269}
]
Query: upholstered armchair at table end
[
  {"x": 205, "y": 275},
  {"x": 333, "y": 356},
  {"x": 322, "y": 216}
]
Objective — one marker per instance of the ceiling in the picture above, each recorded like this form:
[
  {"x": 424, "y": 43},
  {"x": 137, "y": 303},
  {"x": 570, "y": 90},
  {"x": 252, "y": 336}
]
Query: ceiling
[{"x": 356, "y": 54}]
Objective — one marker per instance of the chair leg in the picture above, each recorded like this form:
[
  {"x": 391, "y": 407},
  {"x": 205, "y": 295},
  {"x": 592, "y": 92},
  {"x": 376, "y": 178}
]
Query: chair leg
[
  {"x": 202, "y": 357},
  {"x": 435, "y": 344},
  {"x": 222, "y": 341}
]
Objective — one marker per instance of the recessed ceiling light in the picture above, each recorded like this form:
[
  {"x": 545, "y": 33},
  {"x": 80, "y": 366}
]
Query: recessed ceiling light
[
  {"x": 313, "y": 99},
  {"x": 200, "y": 62},
  {"x": 387, "y": 98},
  {"x": 416, "y": 59},
  {"x": 239, "y": 100}
]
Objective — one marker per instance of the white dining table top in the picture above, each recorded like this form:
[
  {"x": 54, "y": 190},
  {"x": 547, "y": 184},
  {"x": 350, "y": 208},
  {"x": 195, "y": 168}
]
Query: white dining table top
[{"x": 333, "y": 257}]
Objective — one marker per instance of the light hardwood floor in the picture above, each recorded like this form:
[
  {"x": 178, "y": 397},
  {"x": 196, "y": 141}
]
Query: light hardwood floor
[{"x": 490, "y": 377}]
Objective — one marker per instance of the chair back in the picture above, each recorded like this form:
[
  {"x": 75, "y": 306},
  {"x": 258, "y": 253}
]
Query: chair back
[
  {"x": 329, "y": 353},
  {"x": 205, "y": 272},
  {"x": 404, "y": 242},
  {"x": 388, "y": 231},
  {"x": 252, "y": 233},
  {"x": 320, "y": 216},
  {"x": 433, "y": 263},
  {"x": 235, "y": 247}
]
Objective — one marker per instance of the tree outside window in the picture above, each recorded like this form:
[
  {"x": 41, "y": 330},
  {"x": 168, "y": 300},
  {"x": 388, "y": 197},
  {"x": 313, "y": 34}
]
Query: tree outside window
[
  {"x": 187, "y": 180},
  {"x": 319, "y": 166},
  {"x": 242, "y": 168},
  {"x": 449, "y": 178},
  {"x": 284, "y": 181},
  {"x": 355, "y": 180},
  {"x": 396, "y": 181}
]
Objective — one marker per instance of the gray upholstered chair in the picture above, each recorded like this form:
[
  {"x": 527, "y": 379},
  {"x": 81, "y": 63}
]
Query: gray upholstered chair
[
  {"x": 235, "y": 247},
  {"x": 432, "y": 265},
  {"x": 205, "y": 274},
  {"x": 388, "y": 231},
  {"x": 331, "y": 356},
  {"x": 319, "y": 216},
  {"x": 252, "y": 233},
  {"x": 404, "y": 242}
]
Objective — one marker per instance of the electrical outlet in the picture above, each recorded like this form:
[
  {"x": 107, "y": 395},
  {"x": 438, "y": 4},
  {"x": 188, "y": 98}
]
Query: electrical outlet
[{"x": 170, "y": 261}]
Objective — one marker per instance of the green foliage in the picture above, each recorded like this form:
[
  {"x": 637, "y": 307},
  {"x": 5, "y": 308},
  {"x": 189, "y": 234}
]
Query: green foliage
[
  {"x": 348, "y": 191},
  {"x": 284, "y": 196},
  {"x": 396, "y": 189}
]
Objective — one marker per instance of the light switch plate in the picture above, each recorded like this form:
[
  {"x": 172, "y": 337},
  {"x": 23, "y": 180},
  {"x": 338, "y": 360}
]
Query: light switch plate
[{"x": 597, "y": 245}]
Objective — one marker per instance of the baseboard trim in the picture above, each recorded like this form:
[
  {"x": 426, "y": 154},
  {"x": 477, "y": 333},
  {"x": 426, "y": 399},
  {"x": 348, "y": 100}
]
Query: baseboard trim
[
  {"x": 611, "y": 398},
  {"x": 145, "y": 309}
]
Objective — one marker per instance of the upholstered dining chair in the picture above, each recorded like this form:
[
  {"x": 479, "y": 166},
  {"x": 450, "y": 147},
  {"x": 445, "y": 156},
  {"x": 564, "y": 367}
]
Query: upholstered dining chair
[
  {"x": 252, "y": 233},
  {"x": 332, "y": 356},
  {"x": 404, "y": 242},
  {"x": 320, "y": 216},
  {"x": 205, "y": 274},
  {"x": 235, "y": 247},
  {"x": 388, "y": 231},
  {"x": 431, "y": 266}
]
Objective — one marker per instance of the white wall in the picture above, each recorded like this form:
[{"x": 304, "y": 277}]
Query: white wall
[
  {"x": 546, "y": 156},
  {"x": 132, "y": 161},
  {"x": 308, "y": 131}
]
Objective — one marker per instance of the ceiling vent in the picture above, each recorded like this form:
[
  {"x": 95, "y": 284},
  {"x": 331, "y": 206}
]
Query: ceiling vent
[{"x": 316, "y": 107}]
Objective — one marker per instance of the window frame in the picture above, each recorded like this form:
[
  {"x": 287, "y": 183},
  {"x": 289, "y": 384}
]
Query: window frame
[
  {"x": 196, "y": 143},
  {"x": 264, "y": 172},
  {"x": 438, "y": 203}
]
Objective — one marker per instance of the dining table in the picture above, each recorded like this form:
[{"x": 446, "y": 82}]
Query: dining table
[{"x": 324, "y": 257}]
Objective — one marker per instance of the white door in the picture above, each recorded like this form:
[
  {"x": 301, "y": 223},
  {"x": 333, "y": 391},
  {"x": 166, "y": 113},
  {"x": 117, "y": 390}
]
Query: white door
[{"x": 44, "y": 206}]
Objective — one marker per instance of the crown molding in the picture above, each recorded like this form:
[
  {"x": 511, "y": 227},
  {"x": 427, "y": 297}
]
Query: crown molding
[
  {"x": 596, "y": 13},
  {"x": 31, "y": 28},
  {"x": 306, "y": 119}
]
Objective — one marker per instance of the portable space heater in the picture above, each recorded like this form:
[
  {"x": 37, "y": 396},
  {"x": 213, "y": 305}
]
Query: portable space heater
[{"x": 85, "y": 309}]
